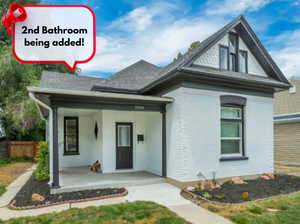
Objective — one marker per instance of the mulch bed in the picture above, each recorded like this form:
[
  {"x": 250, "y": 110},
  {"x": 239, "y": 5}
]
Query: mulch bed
[
  {"x": 23, "y": 199},
  {"x": 257, "y": 189}
]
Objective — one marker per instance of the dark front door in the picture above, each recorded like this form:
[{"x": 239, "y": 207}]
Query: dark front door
[{"x": 124, "y": 146}]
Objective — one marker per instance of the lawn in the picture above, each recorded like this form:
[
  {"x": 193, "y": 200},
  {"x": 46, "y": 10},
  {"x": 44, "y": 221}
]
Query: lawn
[
  {"x": 278, "y": 210},
  {"x": 130, "y": 213},
  {"x": 10, "y": 169}
]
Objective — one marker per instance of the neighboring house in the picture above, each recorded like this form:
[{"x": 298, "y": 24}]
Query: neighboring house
[
  {"x": 287, "y": 125},
  {"x": 209, "y": 113}
]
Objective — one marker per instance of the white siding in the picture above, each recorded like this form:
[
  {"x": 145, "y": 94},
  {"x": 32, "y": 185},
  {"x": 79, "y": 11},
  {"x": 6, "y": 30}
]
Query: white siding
[
  {"x": 210, "y": 58},
  {"x": 193, "y": 136}
]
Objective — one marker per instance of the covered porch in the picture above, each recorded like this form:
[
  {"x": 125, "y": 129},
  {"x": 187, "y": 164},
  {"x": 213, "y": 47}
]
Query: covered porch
[
  {"x": 91, "y": 180},
  {"x": 126, "y": 133}
]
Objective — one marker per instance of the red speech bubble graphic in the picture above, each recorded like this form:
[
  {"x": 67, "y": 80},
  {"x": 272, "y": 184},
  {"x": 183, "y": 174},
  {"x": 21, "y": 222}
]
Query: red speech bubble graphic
[{"x": 53, "y": 34}]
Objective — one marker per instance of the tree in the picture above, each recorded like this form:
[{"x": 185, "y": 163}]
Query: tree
[
  {"x": 4, "y": 37},
  {"x": 192, "y": 46},
  {"x": 18, "y": 114}
]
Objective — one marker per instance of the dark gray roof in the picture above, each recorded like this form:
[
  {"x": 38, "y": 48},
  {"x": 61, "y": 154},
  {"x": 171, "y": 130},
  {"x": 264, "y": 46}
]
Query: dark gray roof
[
  {"x": 133, "y": 77},
  {"x": 142, "y": 76},
  {"x": 68, "y": 81}
]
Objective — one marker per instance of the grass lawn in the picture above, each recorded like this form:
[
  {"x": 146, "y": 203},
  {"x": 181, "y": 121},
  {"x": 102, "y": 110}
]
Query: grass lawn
[
  {"x": 10, "y": 169},
  {"x": 136, "y": 213},
  {"x": 278, "y": 210}
]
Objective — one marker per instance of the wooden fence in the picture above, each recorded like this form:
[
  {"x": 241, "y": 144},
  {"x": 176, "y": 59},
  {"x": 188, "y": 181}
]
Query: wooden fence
[{"x": 22, "y": 149}]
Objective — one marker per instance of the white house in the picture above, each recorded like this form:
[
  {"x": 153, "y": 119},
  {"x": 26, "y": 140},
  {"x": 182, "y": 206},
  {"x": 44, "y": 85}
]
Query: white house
[{"x": 208, "y": 113}]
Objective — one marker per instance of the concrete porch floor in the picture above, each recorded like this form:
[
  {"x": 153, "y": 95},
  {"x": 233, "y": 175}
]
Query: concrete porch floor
[{"x": 81, "y": 178}]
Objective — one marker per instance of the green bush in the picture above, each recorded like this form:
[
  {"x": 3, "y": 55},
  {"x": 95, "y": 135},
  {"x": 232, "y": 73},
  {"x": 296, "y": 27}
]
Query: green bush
[
  {"x": 42, "y": 158},
  {"x": 2, "y": 189}
]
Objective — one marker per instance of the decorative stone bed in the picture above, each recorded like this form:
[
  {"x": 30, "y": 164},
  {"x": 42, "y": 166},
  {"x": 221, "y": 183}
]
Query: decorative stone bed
[
  {"x": 247, "y": 190},
  {"x": 36, "y": 194}
]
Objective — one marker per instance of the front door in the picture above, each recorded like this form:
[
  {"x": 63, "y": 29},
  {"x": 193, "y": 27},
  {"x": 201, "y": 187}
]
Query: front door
[{"x": 124, "y": 158}]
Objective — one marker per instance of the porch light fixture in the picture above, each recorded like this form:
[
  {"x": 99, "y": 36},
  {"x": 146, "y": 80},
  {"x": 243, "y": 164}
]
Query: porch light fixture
[{"x": 96, "y": 130}]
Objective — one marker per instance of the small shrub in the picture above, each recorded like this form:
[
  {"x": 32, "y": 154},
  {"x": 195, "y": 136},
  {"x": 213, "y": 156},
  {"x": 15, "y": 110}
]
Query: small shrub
[
  {"x": 213, "y": 208},
  {"x": 2, "y": 189},
  {"x": 256, "y": 210},
  {"x": 42, "y": 158},
  {"x": 206, "y": 195}
]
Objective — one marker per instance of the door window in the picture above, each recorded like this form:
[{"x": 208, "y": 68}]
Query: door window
[{"x": 124, "y": 136}]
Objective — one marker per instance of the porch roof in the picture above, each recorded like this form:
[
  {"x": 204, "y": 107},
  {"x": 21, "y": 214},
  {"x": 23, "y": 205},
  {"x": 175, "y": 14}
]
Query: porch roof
[{"x": 103, "y": 95}]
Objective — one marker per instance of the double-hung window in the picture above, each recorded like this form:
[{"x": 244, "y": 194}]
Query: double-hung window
[
  {"x": 233, "y": 49},
  {"x": 243, "y": 61},
  {"x": 71, "y": 136},
  {"x": 224, "y": 64},
  {"x": 231, "y": 130},
  {"x": 231, "y": 58}
]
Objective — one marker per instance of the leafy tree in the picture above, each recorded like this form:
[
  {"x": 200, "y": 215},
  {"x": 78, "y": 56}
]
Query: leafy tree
[
  {"x": 192, "y": 46},
  {"x": 18, "y": 114},
  {"x": 4, "y": 37}
]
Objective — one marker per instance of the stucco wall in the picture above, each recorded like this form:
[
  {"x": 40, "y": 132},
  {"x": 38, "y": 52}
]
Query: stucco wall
[
  {"x": 193, "y": 136},
  {"x": 89, "y": 147},
  {"x": 145, "y": 155},
  {"x": 211, "y": 57}
]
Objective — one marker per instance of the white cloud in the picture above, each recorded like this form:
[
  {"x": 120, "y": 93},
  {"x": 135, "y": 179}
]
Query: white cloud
[
  {"x": 288, "y": 53},
  {"x": 149, "y": 33},
  {"x": 234, "y": 7}
]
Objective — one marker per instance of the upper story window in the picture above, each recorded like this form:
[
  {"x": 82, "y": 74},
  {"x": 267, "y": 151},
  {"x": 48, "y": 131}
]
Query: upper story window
[
  {"x": 243, "y": 61},
  {"x": 231, "y": 58},
  {"x": 224, "y": 58},
  {"x": 233, "y": 48}
]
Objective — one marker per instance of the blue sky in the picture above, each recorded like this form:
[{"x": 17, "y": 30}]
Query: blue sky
[{"x": 156, "y": 31}]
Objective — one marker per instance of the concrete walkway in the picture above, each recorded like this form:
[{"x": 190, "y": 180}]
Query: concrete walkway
[
  {"x": 162, "y": 193},
  {"x": 169, "y": 196}
]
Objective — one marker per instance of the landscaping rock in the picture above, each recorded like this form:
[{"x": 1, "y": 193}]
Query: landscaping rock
[
  {"x": 37, "y": 197},
  {"x": 37, "y": 193},
  {"x": 265, "y": 177},
  {"x": 257, "y": 189},
  {"x": 190, "y": 188},
  {"x": 219, "y": 196},
  {"x": 271, "y": 175},
  {"x": 237, "y": 180}
]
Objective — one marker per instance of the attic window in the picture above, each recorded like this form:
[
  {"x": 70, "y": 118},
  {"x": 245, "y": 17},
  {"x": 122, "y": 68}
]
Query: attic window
[{"x": 233, "y": 49}]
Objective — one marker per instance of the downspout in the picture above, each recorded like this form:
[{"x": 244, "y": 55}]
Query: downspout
[{"x": 50, "y": 123}]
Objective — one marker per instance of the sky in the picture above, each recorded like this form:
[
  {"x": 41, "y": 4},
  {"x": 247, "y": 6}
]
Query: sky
[{"x": 154, "y": 30}]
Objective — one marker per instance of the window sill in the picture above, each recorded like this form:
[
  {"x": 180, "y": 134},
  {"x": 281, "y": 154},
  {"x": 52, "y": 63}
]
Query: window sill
[
  {"x": 233, "y": 158},
  {"x": 71, "y": 154}
]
